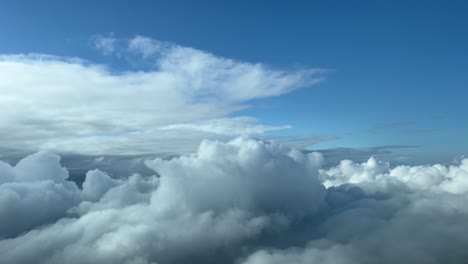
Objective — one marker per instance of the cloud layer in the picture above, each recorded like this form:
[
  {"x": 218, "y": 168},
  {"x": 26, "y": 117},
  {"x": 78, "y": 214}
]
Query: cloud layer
[
  {"x": 244, "y": 201},
  {"x": 60, "y": 103}
]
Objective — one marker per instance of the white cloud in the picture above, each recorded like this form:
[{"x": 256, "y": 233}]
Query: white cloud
[
  {"x": 106, "y": 45},
  {"x": 214, "y": 199},
  {"x": 147, "y": 47},
  {"x": 244, "y": 201},
  {"x": 382, "y": 215},
  {"x": 33, "y": 193},
  {"x": 373, "y": 173},
  {"x": 323, "y": 252},
  {"x": 243, "y": 174},
  {"x": 227, "y": 126},
  {"x": 62, "y": 103}
]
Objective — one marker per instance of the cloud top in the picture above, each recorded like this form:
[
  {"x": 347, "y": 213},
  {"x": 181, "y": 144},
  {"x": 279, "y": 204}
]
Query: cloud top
[{"x": 244, "y": 201}]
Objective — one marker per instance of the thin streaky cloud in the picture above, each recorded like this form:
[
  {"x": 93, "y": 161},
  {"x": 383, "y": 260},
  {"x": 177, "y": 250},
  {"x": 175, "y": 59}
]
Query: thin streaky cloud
[{"x": 76, "y": 103}]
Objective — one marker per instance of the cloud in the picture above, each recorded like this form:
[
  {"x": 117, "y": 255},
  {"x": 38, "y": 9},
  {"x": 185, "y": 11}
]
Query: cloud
[
  {"x": 451, "y": 179},
  {"x": 321, "y": 253},
  {"x": 335, "y": 155},
  {"x": 383, "y": 215},
  {"x": 302, "y": 143},
  {"x": 147, "y": 47},
  {"x": 244, "y": 201},
  {"x": 254, "y": 179},
  {"x": 106, "y": 45},
  {"x": 33, "y": 193},
  {"x": 224, "y": 194},
  {"x": 227, "y": 126},
  {"x": 70, "y": 105}
]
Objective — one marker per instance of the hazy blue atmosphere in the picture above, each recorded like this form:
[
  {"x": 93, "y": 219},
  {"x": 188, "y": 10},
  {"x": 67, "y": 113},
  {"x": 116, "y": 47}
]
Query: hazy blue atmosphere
[{"x": 244, "y": 132}]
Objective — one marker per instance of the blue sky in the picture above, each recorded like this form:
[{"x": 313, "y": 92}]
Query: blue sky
[{"x": 397, "y": 69}]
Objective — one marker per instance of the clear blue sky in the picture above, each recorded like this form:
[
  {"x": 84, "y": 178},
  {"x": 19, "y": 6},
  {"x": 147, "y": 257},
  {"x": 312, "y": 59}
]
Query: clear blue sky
[{"x": 399, "y": 69}]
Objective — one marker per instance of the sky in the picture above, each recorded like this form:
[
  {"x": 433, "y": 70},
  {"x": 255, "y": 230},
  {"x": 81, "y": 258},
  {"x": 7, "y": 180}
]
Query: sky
[
  {"x": 233, "y": 132},
  {"x": 394, "y": 72}
]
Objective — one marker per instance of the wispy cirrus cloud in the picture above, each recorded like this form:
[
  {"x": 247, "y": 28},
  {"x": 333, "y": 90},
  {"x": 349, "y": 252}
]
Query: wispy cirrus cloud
[
  {"x": 105, "y": 44},
  {"x": 73, "y": 105},
  {"x": 226, "y": 126},
  {"x": 303, "y": 142}
]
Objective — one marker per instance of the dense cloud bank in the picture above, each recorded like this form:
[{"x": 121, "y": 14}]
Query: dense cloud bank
[{"x": 245, "y": 201}]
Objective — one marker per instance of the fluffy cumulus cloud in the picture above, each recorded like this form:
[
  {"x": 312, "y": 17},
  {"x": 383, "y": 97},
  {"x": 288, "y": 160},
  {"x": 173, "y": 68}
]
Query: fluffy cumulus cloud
[
  {"x": 378, "y": 214},
  {"x": 33, "y": 193},
  {"x": 56, "y": 103},
  {"x": 199, "y": 206},
  {"x": 245, "y": 201}
]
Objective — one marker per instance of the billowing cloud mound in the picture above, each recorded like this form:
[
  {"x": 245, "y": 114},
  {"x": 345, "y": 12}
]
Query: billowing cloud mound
[
  {"x": 213, "y": 200},
  {"x": 242, "y": 174},
  {"x": 245, "y": 201},
  {"x": 34, "y": 192},
  {"x": 376, "y": 214}
]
